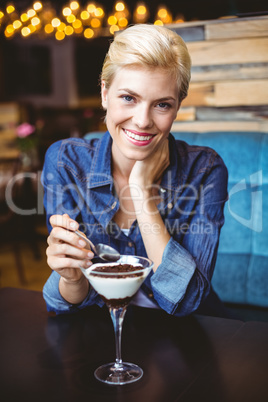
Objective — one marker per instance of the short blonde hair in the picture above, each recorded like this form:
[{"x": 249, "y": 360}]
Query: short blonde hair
[{"x": 150, "y": 46}]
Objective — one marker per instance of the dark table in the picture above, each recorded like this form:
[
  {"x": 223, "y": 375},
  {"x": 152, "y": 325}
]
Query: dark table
[{"x": 53, "y": 358}]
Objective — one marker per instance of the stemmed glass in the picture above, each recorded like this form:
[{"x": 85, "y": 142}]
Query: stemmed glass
[{"x": 117, "y": 289}]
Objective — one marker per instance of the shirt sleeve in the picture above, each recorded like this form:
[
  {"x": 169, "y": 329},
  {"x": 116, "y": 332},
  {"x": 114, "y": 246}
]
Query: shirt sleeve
[
  {"x": 182, "y": 280},
  {"x": 56, "y": 303},
  {"x": 60, "y": 193},
  {"x": 60, "y": 197}
]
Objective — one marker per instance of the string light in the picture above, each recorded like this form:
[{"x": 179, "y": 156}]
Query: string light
[
  {"x": 122, "y": 23},
  {"x": 10, "y": 29},
  {"x": 10, "y": 9},
  {"x": 77, "y": 24},
  {"x": 78, "y": 30},
  {"x": 88, "y": 20},
  {"x": 112, "y": 20},
  {"x": 38, "y": 6},
  {"x": 35, "y": 21},
  {"x": 55, "y": 22},
  {"x": 17, "y": 24},
  {"x": 32, "y": 28},
  {"x": 113, "y": 29},
  {"x": 71, "y": 18},
  {"x": 31, "y": 13},
  {"x": 91, "y": 8},
  {"x": 59, "y": 35},
  {"x": 95, "y": 23},
  {"x": 99, "y": 12},
  {"x": 84, "y": 15},
  {"x": 163, "y": 15},
  {"x": 48, "y": 29},
  {"x": 25, "y": 31},
  {"x": 141, "y": 13},
  {"x": 74, "y": 5},
  {"x": 158, "y": 22},
  {"x": 61, "y": 27},
  {"x": 121, "y": 17},
  {"x": 120, "y": 6},
  {"x": 68, "y": 30},
  {"x": 88, "y": 33},
  {"x": 66, "y": 11}
]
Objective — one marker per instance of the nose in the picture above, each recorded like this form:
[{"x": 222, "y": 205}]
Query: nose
[{"x": 142, "y": 117}]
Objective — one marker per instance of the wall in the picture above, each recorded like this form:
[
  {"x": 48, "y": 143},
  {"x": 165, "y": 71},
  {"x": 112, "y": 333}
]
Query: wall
[{"x": 229, "y": 86}]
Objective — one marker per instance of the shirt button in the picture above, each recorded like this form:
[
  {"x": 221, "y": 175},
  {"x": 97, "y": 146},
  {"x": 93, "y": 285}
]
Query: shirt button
[
  {"x": 170, "y": 205},
  {"x": 130, "y": 244},
  {"x": 113, "y": 205},
  {"x": 150, "y": 295}
]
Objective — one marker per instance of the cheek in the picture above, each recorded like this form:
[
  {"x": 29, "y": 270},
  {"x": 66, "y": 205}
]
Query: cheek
[
  {"x": 165, "y": 124},
  {"x": 112, "y": 114},
  {"x": 113, "y": 117},
  {"x": 116, "y": 113}
]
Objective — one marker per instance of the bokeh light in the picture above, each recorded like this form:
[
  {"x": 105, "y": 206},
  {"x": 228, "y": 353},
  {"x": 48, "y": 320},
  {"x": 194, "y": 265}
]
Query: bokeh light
[{"x": 75, "y": 18}]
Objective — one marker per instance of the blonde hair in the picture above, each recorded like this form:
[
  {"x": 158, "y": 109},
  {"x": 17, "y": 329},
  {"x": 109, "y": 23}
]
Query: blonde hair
[{"x": 150, "y": 46}]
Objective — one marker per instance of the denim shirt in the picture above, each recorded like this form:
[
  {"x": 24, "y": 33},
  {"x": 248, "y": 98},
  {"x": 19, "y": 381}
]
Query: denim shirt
[{"x": 77, "y": 180}]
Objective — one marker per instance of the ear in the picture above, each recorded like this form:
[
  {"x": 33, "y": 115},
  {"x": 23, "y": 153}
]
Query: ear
[{"x": 104, "y": 95}]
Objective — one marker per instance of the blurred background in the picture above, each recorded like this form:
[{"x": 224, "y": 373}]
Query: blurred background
[{"x": 51, "y": 55}]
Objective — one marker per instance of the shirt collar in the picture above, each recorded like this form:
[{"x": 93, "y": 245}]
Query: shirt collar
[{"x": 101, "y": 172}]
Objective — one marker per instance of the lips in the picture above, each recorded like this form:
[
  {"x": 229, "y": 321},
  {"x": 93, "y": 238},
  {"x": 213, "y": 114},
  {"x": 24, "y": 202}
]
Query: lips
[{"x": 139, "y": 139}]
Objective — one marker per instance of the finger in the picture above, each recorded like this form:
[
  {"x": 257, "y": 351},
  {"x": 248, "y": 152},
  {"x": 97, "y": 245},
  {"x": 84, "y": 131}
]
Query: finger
[
  {"x": 63, "y": 249},
  {"x": 61, "y": 235},
  {"x": 63, "y": 221},
  {"x": 56, "y": 263}
]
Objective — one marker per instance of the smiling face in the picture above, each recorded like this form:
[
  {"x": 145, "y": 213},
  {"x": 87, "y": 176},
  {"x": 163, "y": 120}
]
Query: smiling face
[{"x": 141, "y": 106}]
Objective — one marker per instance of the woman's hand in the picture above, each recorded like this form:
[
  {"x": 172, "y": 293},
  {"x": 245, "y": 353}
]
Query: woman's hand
[
  {"x": 66, "y": 253},
  {"x": 143, "y": 182},
  {"x": 148, "y": 172}
]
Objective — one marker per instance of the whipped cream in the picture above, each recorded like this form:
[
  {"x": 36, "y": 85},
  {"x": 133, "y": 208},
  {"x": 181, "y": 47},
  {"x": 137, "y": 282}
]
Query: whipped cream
[{"x": 119, "y": 287}]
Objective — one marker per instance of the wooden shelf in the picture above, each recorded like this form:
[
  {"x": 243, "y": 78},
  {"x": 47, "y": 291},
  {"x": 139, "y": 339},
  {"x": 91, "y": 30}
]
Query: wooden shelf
[{"x": 229, "y": 70}]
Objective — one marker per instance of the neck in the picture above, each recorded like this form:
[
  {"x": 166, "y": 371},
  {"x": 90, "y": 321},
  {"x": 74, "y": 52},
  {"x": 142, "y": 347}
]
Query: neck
[
  {"x": 121, "y": 166},
  {"x": 122, "y": 170}
]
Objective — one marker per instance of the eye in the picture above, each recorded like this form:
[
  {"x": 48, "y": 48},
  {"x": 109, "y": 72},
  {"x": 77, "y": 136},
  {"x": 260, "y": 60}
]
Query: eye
[
  {"x": 128, "y": 98},
  {"x": 164, "y": 105}
]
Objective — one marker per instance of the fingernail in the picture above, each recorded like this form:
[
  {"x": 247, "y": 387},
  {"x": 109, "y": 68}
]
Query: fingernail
[
  {"x": 88, "y": 263},
  {"x": 82, "y": 243},
  {"x": 90, "y": 254},
  {"x": 73, "y": 224}
]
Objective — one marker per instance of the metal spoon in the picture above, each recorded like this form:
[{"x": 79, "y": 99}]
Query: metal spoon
[{"x": 103, "y": 251}]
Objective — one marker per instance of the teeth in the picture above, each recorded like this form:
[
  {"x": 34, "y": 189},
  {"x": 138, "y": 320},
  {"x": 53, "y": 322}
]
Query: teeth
[{"x": 138, "y": 137}]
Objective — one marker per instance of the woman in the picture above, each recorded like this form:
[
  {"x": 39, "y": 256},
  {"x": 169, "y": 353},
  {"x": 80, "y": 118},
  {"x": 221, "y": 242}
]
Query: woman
[{"x": 136, "y": 188}]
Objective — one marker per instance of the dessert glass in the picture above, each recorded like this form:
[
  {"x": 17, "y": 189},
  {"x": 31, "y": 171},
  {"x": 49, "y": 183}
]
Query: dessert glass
[{"x": 117, "y": 289}]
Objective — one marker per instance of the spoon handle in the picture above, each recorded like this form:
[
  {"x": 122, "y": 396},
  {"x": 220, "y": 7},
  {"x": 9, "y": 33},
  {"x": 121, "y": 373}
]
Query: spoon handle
[{"x": 87, "y": 240}]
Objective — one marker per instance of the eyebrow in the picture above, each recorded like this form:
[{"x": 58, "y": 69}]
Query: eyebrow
[{"x": 166, "y": 98}]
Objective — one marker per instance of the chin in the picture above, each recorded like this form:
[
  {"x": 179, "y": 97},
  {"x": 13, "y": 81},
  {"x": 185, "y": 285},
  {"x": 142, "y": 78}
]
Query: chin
[{"x": 136, "y": 155}]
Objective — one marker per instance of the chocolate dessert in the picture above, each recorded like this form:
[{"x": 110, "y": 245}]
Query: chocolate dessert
[
  {"x": 117, "y": 290},
  {"x": 118, "y": 268}
]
